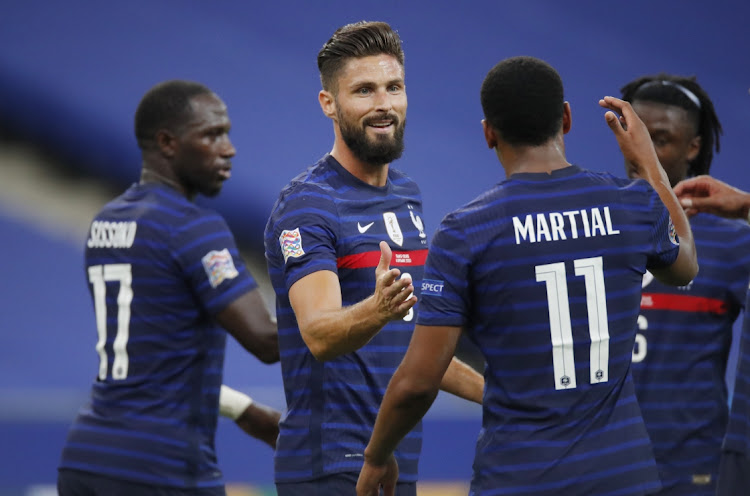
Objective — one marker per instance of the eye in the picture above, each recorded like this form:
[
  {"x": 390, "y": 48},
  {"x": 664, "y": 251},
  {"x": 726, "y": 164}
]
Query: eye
[
  {"x": 363, "y": 91},
  {"x": 394, "y": 88}
]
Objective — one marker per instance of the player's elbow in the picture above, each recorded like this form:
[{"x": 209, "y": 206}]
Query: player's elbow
[
  {"x": 321, "y": 351},
  {"x": 681, "y": 273},
  {"x": 268, "y": 352}
]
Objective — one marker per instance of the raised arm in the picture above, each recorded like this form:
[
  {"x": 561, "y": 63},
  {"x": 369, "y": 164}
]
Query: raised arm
[
  {"x": 330, "y": 330},
  {"x": 707, "y": 194},
  {"x": 636, "y": 146}
]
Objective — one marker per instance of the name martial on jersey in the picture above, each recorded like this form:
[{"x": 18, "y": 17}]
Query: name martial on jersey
[
  {"x": 105, "y": 234},
  {"x": 556, "y": 226}
]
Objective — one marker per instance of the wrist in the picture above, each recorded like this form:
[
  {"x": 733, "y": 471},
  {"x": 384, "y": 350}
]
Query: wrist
[
  {"x": 232, "y": 403},
  {"x": 372, "y": 458}
]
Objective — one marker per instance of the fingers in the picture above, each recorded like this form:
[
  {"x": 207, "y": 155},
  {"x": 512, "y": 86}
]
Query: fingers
[
  {"x": 614, "y": 123},
  {"x": 385, "y": 257}
]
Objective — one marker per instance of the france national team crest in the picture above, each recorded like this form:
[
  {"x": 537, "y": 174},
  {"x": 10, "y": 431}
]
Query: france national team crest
[
  {"x": 291, "y": 244},
  {"x": 673, "y": 233},
  {"x": 417, "y": 221},
  {"x": 393, "y": 229},
  {"x": 219, "y": 266}
]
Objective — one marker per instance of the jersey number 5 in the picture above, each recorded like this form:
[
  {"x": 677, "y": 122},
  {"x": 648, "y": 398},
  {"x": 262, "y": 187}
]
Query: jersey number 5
[
  {"x": 99, "y": 275},
  {"x": 561, "y": 330}
]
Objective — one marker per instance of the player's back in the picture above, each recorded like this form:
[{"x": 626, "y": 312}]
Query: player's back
[
  {"x": 153, "y": 409},
  {"x": 554, "y": 265}
]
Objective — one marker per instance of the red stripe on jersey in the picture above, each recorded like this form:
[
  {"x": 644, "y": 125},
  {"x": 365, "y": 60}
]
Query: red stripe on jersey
[
  {"x": 372, "y": 258},
  {"x": 683, "y": 303}
]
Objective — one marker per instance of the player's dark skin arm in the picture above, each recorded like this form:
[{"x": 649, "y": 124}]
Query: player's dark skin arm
[
  {"x": 261, "y": 422},
  {"x": 636, "y": 146},
  {"x": 410, "y": 394},
  {"x": 248, "y": 320}
]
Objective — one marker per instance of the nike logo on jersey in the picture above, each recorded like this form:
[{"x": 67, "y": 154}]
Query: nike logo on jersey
[{"x": 363, "y": 229}]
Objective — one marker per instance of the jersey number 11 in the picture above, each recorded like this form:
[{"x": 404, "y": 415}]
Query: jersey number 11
[{"x": 561, "y": 331}]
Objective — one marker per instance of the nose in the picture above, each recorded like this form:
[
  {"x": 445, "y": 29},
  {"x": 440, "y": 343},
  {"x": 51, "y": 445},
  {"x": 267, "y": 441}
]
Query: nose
[
  {"x": 383, "y": 102},
  {"x": 228, "y": 151}
]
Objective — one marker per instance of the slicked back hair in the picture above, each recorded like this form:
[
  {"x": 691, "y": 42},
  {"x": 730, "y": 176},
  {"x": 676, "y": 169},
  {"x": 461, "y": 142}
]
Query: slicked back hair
[
  {"x": 686, "y": 93},
  {"x": 165, "y": 106},
  {"x": 357, "y": 40},
  {"x": 522, "y": 99}
]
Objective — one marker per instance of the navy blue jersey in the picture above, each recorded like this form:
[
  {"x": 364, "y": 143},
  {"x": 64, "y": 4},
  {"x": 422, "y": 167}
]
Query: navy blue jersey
[
  {"x": 159, "y": 268},
  {"x": 544, "y": 272},
  {"x": 737, "y": 437},
  {"x": 327, "y": 219},
  {"x": 680, "y": 356}
]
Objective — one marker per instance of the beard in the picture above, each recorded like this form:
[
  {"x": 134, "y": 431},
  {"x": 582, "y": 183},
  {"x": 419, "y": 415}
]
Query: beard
[{"x": 382, "y": 150}]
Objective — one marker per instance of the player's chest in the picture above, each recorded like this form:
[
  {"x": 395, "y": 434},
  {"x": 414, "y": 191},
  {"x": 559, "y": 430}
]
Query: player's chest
[{"x": 363, "y": 225}]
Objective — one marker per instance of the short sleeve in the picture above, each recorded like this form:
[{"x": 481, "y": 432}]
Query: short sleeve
[
  {"x": 208, "y": 256},
  {"x": 444, "y": 298},
  {"x": 301, "y": 234},
  {"x": 664, "y": 240}
]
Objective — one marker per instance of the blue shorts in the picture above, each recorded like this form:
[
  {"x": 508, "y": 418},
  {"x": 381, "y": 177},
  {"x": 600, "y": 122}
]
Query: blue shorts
[
  {"x": 344, "y": 484},
  {"x": 734, "y": 474},
  {"x": 77, "y": 483}
]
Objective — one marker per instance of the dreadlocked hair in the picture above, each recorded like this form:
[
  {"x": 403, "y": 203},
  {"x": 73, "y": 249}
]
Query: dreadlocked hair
[{"x": 686, "y": 93}]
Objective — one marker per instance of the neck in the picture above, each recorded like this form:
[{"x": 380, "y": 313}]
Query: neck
[
  {"x": 547, "y": 157},
  {"x": 374, "y": 175},
  {"x": 150, "y": 176}
]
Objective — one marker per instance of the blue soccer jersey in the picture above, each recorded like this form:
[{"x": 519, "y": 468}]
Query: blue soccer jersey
[
  {"x": 544, "y": 272},
  {"x": 737, "y": 438},
  {"x": 159, "y": 268},
  {"x": 680, "y": 356},
  {"x": 327, "y": 219}
]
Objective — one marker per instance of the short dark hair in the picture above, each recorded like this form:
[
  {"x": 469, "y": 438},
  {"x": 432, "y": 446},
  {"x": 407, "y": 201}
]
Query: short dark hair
[
  {"x": 165, "y": 106},
  {"x": 360, "y": 39},
  {"x": 522, "y": 99},
  {"x": 686, "y": 93}
]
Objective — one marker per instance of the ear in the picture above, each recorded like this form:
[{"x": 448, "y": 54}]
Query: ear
[
  {"x": 694, "y": 148},
  {"x": 166, "y": 142},
  {"x": 327, "y": 103},
  {"x": 567, "y": 118},
  {"x": 489, "y": 134}
]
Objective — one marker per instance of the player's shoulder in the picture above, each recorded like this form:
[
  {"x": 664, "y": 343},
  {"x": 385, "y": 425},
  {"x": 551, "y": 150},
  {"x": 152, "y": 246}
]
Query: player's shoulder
[
  {"x": 721, "y": 228},
  {"x": 315, "y": 179},
  {"x": 400, "y": 179},
  {"x": 156, "y": 201}
]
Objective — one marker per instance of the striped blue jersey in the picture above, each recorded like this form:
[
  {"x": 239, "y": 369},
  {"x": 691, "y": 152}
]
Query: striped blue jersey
[
  {"x": 327, "y": 219},
  {"x": 159, "y": 268},
  {"x": 544, "y": 272},
  {"x": 680, "y": 356},
  {"x": 737, "y": 437}
]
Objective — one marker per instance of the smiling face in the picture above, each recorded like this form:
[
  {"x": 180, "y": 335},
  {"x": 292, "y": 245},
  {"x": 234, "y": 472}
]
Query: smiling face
[
  {"x": 203, "y": 151},
  {"x": 674, "y": 136},
  {"x": 370, "y": 108}
]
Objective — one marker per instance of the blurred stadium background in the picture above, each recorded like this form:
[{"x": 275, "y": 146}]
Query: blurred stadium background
[{"x": 72, "y": 73}]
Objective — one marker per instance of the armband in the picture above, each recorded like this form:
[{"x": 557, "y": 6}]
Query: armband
[{"x": 232, "y": 403}]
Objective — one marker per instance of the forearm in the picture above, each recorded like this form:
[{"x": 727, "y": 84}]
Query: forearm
[
  {"x": 331, "y": 333},
  {"x": 402, "y": 408},
  {"x": 685, "y": 267},
  {"x": 463, "y": 381}
]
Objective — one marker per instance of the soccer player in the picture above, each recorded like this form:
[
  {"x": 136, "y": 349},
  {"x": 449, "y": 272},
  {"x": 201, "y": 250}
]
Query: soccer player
[
  {"x": 346, "y": 317},
  {"x": 685, "y": 333},
  {"x": 167, "y": 281},
  {"x": 544, "y": 272}
]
